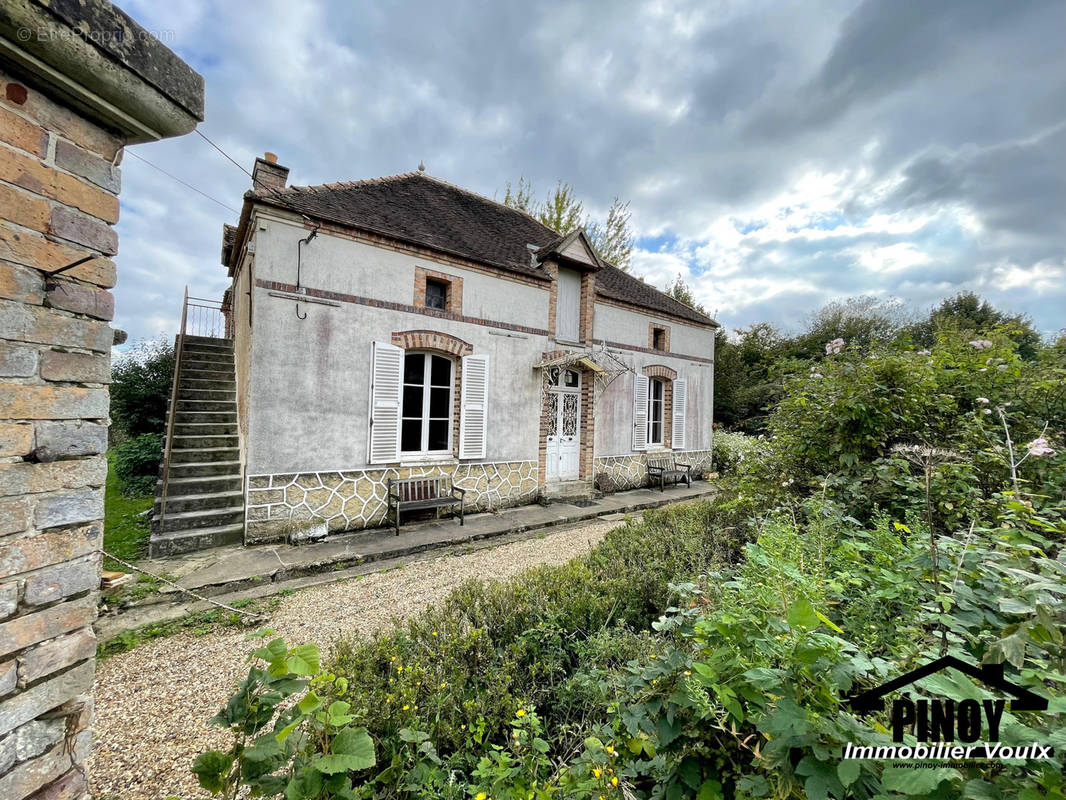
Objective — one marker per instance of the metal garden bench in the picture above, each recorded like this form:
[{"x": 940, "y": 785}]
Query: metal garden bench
[
  {"x": 414, "y": 494},
  {"x": 661, "y": 470}
]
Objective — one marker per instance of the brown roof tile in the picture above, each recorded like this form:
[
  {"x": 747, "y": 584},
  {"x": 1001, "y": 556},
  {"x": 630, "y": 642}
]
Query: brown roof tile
[{"x": 419, "y": 209}]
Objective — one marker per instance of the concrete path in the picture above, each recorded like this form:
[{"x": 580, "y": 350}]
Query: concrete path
[{"x": 236, "y": 572}]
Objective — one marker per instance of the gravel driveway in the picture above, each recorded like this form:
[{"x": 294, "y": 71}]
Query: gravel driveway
[{"x": 152, "y": 703}]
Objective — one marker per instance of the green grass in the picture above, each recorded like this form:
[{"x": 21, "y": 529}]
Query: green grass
[
  {"x": 198, "y": 624},
  {"x": 125, "y": 536}
]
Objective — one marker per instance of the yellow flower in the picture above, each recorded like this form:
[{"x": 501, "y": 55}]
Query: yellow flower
[
  {"x": 596, "y": 772},
  {"x": 614, "y": 781},
  {"x": 610, "y": 750},
  {"x": 406, "y": 707},
  {"x": 480, "y": 796},
  {"x": 399, "y": 669},
  {"x": 393, "y": 658},
  {"x": 434, "y": 633},
  {"x": 443, "y": 685},
  {"x": 462, "y": 727},
  {"x": 520, "y": 712}
]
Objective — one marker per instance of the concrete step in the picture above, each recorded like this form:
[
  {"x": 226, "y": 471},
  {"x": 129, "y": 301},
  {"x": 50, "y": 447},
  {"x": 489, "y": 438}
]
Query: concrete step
[
  {"x": 208, "y": 341},
  {"x": 178, "y": 504},
  {"x": 206, "y": 518},
  {"x": 569, "y": 491},
  {"x": 193, "y": 416},
  {"x": 207, "y": 362},
  {"x": 206, "y": 405},
  {"x": 210, "y": 371},
  {"x": 206, "y": 394},
  {"x": 226, "y": 384},
  {"x": 209, "y": 441},
  {"x": 208, "y": 484},
  {"x": 204, "y": 469},
  {"x": 172, "y": 544},
  {"x": 204, "y": 428},
  {"x": 198, "y": 455}
]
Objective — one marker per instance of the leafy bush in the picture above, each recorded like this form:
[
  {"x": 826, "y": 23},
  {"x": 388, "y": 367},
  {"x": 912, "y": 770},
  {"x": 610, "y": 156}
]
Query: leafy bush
[
  {"x": 751, "y": 702},
  {"x": 286, "y": 738},
  {"x": 136, "y": 462},
  {"x": 733, "y": 449},
  {"x": 140, "y": 387},
  {"x": 462, "y": 670}
]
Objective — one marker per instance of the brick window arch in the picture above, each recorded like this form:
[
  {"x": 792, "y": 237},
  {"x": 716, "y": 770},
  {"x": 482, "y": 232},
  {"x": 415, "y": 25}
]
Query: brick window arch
[
  {"x": 432, "y": 340},
  {"x": 660, "y": 371}
]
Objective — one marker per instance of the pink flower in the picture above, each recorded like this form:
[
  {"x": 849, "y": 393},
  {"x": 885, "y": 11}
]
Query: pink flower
[
  {"x": 834, "y": 347},
  {"x": 1039, "y": 448}
]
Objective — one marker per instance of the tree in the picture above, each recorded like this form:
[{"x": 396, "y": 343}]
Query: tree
[
  {"x": 682, "y": 292},
  {"x": 859, "y": 320},
  {"x": 613, "y": 240},
  {"x": 140, "y": 387},
  {"x": 967, "y": 312},
  {"x": 520, "y": 196},
  {"x": 562, "y": 211}
]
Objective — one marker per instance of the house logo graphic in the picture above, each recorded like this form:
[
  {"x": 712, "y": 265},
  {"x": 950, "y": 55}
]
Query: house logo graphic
[{"x": 948, "y": 727}]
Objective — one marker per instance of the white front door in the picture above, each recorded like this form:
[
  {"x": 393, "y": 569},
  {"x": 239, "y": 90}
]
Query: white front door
[{"x": 562, "y": 457}]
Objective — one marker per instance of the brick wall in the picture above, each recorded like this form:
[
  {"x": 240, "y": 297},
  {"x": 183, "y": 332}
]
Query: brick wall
[{"x": 59, "y": 195}]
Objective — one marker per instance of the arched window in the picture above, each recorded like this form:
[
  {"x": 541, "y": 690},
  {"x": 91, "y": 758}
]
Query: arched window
[
  {"x": 426, "y": 416},
  {"x": 656, "y": 401}
]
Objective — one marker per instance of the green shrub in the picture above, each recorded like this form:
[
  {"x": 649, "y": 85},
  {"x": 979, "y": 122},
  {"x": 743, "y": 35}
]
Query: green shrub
[
  {"x": 464, "y": 667},
  {"x": 731, "y": 450},
  {"x": 140, "y": 387},
  {"x": 136, "y": 462}
]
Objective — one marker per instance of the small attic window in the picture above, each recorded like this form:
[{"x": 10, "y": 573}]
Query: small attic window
[
  {"x": 436, "y": 294},
  {"x": 438, "y": 291},
  {"x": 658, "y": 338}
]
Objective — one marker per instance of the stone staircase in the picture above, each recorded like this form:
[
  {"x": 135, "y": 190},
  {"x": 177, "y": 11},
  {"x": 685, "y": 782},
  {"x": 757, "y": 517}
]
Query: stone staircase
[{"x": 204, "y": 496}]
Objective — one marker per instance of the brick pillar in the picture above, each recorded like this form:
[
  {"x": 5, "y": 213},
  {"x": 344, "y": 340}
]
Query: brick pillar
[
  {"x": 69, "y": 103},
  {"x": 59, "y": 192}
]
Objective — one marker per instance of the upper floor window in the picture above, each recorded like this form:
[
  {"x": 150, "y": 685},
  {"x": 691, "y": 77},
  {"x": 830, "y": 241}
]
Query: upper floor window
[
  {"x": 658, "y": 338},
  {"x": 656, "y": 398},
  {"x": 426, "y": 416},
  {"x": 436, "y": 294},
  {"x": 440, "y": 291}
]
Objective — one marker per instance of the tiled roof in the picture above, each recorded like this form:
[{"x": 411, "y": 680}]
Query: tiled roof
[{"x": 419, "y": 209}]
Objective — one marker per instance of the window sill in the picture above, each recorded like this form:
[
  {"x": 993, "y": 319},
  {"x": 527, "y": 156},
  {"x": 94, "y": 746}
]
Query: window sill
[{"x": 428, "y": 460}]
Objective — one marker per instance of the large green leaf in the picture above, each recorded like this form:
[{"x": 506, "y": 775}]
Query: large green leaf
[
  {"x": 915, "y": 781},
  {"x": 802, "y": 615},
  {"x": 352, "y": 749},
  {"x": 303, "y": 660},
  {"x": 210, "y": 769}
]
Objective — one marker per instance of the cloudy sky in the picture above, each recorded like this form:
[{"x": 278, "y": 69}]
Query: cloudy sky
[{"x": 776, "y": 155}]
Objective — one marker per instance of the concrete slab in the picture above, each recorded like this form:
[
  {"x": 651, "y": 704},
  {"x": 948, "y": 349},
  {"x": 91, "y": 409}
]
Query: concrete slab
[{"x": 227, "y": 569}]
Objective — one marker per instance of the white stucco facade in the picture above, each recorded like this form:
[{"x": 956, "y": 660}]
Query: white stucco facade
[{"x": 304, "y": 373}]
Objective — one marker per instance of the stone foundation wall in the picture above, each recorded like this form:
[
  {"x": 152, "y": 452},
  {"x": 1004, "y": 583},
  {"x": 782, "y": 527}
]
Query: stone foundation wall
[
  {"x": 352, "y": 500},
  {"x": 631, "y": 471}
]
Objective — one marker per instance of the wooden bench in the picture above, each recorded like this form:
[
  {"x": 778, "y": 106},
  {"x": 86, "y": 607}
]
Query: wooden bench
[
  {"x": 413, "y": 494},
  {"x": 661, "y": 470}
]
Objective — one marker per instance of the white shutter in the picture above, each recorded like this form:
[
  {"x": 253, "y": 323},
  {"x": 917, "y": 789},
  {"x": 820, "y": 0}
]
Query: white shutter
[
  {"x": 474, "y": 402},
  {"x": 568, "y": 306},
  {"x": 677, "y": 420},
  {"x": 386, "y": 383},
  {"x": 640, "y": 412}
]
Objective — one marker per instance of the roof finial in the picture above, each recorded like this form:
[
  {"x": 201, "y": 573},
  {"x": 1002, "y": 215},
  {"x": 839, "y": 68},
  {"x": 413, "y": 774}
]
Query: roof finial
[{"x": 421, "y": 166}]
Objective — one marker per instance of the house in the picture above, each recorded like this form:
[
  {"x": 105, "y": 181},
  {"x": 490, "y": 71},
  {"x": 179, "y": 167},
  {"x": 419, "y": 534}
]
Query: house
[{"x": 403, "y": 326}]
